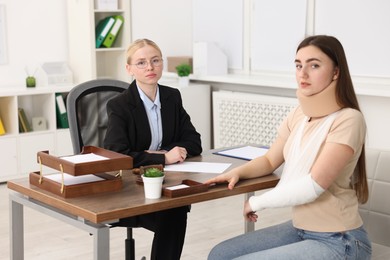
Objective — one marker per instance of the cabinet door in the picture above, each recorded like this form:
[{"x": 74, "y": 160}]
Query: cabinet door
[
  {"x": 63, "y": 143},
  {"x": 197, "y": 102},
  {"x": 29, "y": 146},
  {"x": 8, "y": 156}
]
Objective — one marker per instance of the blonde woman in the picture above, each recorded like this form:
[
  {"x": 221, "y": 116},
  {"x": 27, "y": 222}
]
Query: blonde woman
[{"x": 148, "y": 122}]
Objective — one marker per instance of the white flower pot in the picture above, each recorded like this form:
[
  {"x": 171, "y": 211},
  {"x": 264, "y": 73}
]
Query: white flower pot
[
  {"x": 184, "y": 81},
  {"x": 153, "y": 187}
]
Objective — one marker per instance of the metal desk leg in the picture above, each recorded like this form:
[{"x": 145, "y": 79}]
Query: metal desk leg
[
  {"x": 16, "y": 230},
  {"x": 101, "y": 243},
  {"x": 100, "y": 232},
  {"x": 249, "y": 226}
]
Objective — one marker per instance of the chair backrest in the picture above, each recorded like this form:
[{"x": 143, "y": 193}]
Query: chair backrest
[
  {"x": 86, "y": 108},
  {"x": 376, "y": 212}
]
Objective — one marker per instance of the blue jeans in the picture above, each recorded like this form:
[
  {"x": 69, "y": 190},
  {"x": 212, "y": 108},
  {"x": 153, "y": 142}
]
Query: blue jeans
[{"x": 283, "y": 241}]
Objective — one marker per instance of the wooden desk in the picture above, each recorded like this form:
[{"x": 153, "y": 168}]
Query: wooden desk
[{"x": 91, "y": 213}]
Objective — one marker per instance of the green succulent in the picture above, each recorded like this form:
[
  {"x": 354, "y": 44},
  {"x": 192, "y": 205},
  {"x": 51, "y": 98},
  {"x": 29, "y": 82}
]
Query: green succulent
[
  {"x": 183, "y": 70},
  {"x": 153, "y": 172}
]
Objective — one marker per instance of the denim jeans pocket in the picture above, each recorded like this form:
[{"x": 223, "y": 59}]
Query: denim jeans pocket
[
  {"x": 363, "y": 251},
  {"x": 360, "y": 245}
]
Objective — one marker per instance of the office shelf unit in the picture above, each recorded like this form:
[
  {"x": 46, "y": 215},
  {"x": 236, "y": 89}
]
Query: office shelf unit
[
  {"x": 85, "y": 60},
  {"x": 18, "y": 151}
]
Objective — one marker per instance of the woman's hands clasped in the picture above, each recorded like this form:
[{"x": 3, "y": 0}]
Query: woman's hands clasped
[{"x": 175, "y": 155}]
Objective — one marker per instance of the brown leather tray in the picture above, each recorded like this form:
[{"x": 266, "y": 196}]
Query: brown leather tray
[
  {"x": 193, "y": 187},
  {"x": 115, "y": 162},
  {"x": 110, "y": 184}
]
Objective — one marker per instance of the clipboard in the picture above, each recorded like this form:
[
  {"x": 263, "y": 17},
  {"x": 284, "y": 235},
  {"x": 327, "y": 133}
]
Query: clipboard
[{"x": 244, "y": 152}]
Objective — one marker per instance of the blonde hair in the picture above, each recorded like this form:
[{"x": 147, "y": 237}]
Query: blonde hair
[{"x": 138, "y": 44}]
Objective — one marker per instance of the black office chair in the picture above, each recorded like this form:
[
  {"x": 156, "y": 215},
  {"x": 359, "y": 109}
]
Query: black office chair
[{"x": 86, "y": 108}]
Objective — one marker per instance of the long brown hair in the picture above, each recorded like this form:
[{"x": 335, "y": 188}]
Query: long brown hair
[{"x": 345, "y": 95}]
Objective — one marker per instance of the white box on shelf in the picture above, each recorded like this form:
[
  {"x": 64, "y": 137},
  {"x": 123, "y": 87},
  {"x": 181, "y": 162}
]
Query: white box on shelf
[
  {"x": 208, "y": 59},
  {"x": 54, "y": 74},
  {"x": 39, "y": 123},
  {"x": 106, "y": 4}
]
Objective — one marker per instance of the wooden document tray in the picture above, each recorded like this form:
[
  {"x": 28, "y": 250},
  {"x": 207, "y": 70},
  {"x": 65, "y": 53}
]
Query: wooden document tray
[
  {"x": 115, "y": 162},
  {"x": 78, "y": 165},
  {"x": 111, "y": 183},
  {"x": 193, "y": 187}
]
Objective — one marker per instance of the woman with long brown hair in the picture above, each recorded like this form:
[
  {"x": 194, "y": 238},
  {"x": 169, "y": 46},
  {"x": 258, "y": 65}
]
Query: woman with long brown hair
[{"x": 321, "y": 143}]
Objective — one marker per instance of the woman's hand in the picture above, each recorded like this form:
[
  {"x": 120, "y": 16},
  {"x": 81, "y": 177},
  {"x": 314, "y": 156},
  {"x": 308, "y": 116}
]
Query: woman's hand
[
  {"x": 249, "y": 214},
  {"x": 175, "y": 155},
  {"x": 231, "y": 177}
]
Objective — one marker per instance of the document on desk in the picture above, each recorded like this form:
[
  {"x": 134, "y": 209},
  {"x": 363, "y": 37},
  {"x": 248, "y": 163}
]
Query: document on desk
[
  {"x": 201, "y": 167},
  {"x": 83, "y": 158},
  {"x": 245, "y": 152},
  {"x": 72, "y": 180}
]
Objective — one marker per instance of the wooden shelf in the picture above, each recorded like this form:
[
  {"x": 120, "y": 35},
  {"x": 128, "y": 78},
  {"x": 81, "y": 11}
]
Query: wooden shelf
[
  {"x": 19, "y": 157},
  {"x": 85, "y": 60}
]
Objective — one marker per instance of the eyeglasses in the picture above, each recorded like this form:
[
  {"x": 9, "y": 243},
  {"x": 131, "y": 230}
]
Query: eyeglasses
[{"x": 156, "y": 62}]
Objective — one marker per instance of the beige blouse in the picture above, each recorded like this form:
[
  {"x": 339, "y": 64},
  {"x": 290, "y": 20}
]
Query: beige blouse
[{"x": 337, "y": 208}]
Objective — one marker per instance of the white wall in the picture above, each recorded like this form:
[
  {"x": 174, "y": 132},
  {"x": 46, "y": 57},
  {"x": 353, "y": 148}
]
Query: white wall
[
  {"x": 168, "y": 23},
  {"x": 36, "y": 33}
]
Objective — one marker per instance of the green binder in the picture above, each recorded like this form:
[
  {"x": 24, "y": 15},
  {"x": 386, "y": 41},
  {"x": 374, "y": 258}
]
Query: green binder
[
  {"x": 112, "y": 35},
  {"x": 62, "y": 115},
  {"x": 102, "y": 30}
]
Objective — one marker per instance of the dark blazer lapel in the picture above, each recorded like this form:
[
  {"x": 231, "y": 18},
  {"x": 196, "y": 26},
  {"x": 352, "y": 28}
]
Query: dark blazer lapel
[
  {"x": 167, "y": 114},
  {"x": 139, "y": 115}
]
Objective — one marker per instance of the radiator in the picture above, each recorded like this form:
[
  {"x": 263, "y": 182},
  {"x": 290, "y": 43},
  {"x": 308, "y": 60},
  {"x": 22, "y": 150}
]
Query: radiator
[{"x": 243, "y": 118}]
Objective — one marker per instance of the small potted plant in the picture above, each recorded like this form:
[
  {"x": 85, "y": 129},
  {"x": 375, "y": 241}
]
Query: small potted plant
[
  {"x": 153, "y": 172},
  {"x": 152, "y": 178},
  {"x": 183, "y": 71},
  {"x": 30, "y": 80}
]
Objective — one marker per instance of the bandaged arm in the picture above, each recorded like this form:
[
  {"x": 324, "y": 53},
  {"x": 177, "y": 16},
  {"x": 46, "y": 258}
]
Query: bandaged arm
[{"x": 297, "y": 192}]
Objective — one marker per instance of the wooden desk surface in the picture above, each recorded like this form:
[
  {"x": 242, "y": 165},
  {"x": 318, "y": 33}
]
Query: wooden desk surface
[{"x": 130, "y": 201}]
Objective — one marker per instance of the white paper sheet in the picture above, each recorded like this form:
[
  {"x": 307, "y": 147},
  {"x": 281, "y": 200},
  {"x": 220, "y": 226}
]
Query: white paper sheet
[
  {"x": 245, "y": 152},
  {"x": 203, "y": 167},
  {"x": 72, "y": 180},
  {"x": 82, "y": 158},
  {"x": 177, "y": 187}
]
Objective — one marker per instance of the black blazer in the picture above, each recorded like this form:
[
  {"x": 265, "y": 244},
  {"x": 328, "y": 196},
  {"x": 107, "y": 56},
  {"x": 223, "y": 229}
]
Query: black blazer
[{"x": 128, "y": 130}]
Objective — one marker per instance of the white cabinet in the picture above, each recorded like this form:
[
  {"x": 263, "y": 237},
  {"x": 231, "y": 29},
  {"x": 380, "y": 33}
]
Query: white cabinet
[
  {"x": 29, "y": 145},
  {"x": 37, "y": 106},
  {"x": 8, "y": 155},
  {"x": 63, "y": 145},
  {"x": 85, "y": 60},
  {"x": 197, "y": 102},
  {"x": 19, "y": 149}
]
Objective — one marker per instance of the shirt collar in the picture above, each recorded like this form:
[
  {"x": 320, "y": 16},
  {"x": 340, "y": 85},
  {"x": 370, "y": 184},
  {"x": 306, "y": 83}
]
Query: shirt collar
[{"x": 147, "y": 102}]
